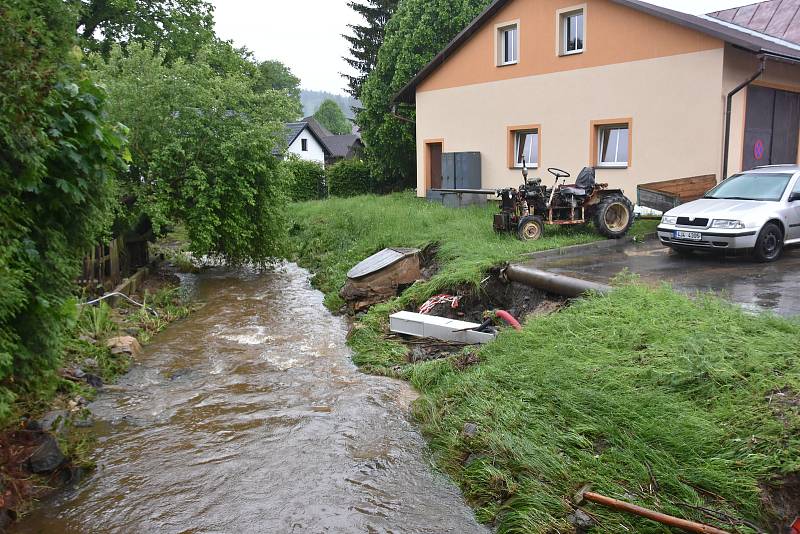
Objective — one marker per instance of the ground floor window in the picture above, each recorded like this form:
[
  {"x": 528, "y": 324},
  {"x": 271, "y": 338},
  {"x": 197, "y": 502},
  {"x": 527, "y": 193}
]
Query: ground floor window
[
  {"x": 524, "y": 146},
  {"x": 612, "y": 143}
]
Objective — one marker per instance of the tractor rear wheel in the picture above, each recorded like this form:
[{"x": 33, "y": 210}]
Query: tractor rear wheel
[
  {"x": 614, "y": 216},
  {"x": 530, "y": 228}
]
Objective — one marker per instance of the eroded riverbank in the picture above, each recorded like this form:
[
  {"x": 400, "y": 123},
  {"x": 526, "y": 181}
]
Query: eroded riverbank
[{"x": 250, "y": 417}]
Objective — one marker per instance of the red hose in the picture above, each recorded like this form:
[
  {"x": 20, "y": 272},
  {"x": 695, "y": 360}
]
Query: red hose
[{"x": 507, "y": 317}]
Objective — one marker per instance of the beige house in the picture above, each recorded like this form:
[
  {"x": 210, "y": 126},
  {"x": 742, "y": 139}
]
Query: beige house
[{"x": 637, "y": 91}]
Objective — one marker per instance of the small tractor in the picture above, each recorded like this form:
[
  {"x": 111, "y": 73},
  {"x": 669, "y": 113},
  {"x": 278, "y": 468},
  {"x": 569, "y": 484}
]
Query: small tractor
[{"x": 528, "y": 209}]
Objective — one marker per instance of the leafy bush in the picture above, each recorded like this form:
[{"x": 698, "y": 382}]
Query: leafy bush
[
  {"x": 308, "y": 180},
  {"x": 59, "y": 154},
  {"x": 202, "y": 141},
  {"x": 349, "y": 178}
]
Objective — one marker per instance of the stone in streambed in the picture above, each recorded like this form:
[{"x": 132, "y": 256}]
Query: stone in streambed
[
  {"x": 47, "y": 457},
  {"x": 125, "y": 345},
  {"x": 93, "y": 380},
  {"x": 54, "y": 421}
]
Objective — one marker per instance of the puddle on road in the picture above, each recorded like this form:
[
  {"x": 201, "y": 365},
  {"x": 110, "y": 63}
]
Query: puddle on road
[{"x": 250, "y": 417}]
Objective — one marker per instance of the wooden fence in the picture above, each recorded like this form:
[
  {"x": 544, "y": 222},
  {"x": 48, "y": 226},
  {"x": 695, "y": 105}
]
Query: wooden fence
[
  {"x": 106, "y": 265},
  {"x": 101, "y": 266}
]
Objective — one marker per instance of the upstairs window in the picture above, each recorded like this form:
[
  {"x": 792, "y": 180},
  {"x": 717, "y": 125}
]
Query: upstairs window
[
  {"x": 304, "y": 145},
  {"x": 573, "y": 32},
  {"x": 508, "y": 45}
]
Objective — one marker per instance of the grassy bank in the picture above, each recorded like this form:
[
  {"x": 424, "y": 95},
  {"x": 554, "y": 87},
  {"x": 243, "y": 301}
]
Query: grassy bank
[
  {"x": 653, "y": 398},
  {"x": 331, "y": 236},
  {"x": 690, "y": 407}
]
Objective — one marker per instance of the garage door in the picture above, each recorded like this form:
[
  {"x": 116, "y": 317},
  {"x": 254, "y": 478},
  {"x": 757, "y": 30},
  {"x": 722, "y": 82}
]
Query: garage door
[{"x": 772, "y": 126}]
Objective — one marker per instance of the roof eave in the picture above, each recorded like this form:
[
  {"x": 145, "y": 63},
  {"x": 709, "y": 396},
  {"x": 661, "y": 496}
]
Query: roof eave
[{"x": 408, "y": 93}]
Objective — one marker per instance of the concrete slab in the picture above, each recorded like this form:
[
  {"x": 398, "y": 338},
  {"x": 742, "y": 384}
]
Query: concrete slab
[
  {"x": 774, "y": 287},
  {"x": 442, "y": 328}
]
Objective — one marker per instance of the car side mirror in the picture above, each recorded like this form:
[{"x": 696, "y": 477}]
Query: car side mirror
[{"x": 794, "y": 197}]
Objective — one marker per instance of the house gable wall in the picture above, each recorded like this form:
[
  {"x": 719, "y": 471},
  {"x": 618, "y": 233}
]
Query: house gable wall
[
  {"x": 614, "y": 34},
  {"x": 315, "y": 151}
]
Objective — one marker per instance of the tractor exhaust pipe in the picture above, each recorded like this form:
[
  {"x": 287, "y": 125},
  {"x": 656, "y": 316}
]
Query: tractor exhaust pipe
[{"x": 553, "y": 283}]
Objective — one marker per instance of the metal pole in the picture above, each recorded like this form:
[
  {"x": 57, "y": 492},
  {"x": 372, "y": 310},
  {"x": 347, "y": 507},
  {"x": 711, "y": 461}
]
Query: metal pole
[
  {"x": 728, "y": 105},
  {"x": 684, "y": 524}
]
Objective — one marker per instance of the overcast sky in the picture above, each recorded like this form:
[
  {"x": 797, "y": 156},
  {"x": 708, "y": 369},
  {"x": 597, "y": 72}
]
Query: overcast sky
[{"x": 306, "y": 34}]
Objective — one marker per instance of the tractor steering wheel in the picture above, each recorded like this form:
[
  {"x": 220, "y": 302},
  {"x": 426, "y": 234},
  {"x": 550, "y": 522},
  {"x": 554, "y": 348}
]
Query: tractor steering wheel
[{"x": 558, "y": 173}]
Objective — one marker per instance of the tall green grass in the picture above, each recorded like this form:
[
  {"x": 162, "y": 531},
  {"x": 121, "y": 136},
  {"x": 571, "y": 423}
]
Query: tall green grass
[
  {"x": 651, "y": 397},
  {"x": 329, "y": 237}
]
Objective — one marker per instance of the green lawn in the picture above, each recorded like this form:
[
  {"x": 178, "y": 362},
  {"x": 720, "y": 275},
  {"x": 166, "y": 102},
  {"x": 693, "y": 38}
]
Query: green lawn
[{"x": 652, "y": 397}]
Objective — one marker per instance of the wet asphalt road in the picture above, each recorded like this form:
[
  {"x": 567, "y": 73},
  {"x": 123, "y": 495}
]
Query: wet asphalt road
[{"x": 756, "y": 286}]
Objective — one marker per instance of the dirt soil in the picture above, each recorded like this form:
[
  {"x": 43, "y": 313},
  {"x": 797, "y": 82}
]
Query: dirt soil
[
  {"x": 165, "y": 276},
  {"x": 519, "y": 300},
  {"x": 782, "y": 497},
  {"x": 495, "y": 294}
]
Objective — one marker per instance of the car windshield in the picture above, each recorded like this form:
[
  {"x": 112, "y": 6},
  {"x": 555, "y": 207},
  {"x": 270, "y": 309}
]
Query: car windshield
[{"x": 752, "y": 186}]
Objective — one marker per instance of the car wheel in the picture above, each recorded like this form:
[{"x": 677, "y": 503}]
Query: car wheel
[{"x": 769, "y": 244}]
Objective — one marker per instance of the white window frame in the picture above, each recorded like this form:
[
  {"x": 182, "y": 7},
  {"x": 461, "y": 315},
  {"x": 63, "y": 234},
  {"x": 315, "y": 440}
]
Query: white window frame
[
  {"x": 562, "y": 20},
  {"x": 500, "y": 43},
  {"x": 601, "y": 131},
  {"x": 517, "y": 137}
]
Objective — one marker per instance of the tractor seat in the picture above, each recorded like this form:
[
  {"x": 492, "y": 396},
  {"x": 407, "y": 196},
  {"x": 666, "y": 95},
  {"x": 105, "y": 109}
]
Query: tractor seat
[{"x": 574, "y": 191}]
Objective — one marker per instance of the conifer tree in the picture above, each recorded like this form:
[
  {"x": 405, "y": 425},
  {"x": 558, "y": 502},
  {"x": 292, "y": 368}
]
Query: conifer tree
[{"x": 366, "y": 39}]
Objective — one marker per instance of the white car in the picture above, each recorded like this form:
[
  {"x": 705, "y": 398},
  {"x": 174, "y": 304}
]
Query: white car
[{"x": 757, "y": 210}]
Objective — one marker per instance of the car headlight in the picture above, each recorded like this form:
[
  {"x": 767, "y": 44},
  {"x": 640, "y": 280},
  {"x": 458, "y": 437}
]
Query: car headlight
[
  {"x": 727, "y": 224},
  {"x": 669, "y": 220}
]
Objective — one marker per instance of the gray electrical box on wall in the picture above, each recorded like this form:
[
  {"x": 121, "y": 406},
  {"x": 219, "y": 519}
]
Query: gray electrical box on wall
[{"x": 460, "y": 170}]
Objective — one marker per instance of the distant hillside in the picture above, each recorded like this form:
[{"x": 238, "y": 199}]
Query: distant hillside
[{"x": 312, "y": 99}]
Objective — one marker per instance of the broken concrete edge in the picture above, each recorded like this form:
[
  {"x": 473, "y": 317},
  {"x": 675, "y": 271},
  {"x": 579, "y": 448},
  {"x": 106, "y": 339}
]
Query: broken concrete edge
[{"x": 595, "y": 245}]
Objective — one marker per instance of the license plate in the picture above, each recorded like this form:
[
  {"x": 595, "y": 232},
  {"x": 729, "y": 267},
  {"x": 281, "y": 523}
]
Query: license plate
[{"x": 689, "y": 236}]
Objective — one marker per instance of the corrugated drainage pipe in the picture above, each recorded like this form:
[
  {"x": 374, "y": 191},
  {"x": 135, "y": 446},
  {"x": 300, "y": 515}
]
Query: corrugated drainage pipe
[{"x": 553, "y": 283}]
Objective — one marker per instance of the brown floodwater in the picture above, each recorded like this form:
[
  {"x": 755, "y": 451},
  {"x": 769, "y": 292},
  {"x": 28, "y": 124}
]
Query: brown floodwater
[{"x": 250, "y": 417}]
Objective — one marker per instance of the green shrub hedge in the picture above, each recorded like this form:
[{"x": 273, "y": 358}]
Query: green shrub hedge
[
  {"x": 350, "y": 178},
  {"x": 308, "y": 182}
]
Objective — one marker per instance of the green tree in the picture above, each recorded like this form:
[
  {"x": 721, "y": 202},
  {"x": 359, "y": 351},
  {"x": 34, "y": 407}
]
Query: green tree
[
  {"x": 179, "y": 27},
  {"x": 366, "y": 39},
  {"x": 59, "y": 154},
  {"x": 274, "y": 75},
  {"x": 418, "y": 30},
  {"x": 331, "y": 116},
  {"x": 202, "y": 145}
]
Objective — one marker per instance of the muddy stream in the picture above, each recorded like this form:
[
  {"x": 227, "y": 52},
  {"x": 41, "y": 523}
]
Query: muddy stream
[{"x": 250, "y": 417}]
